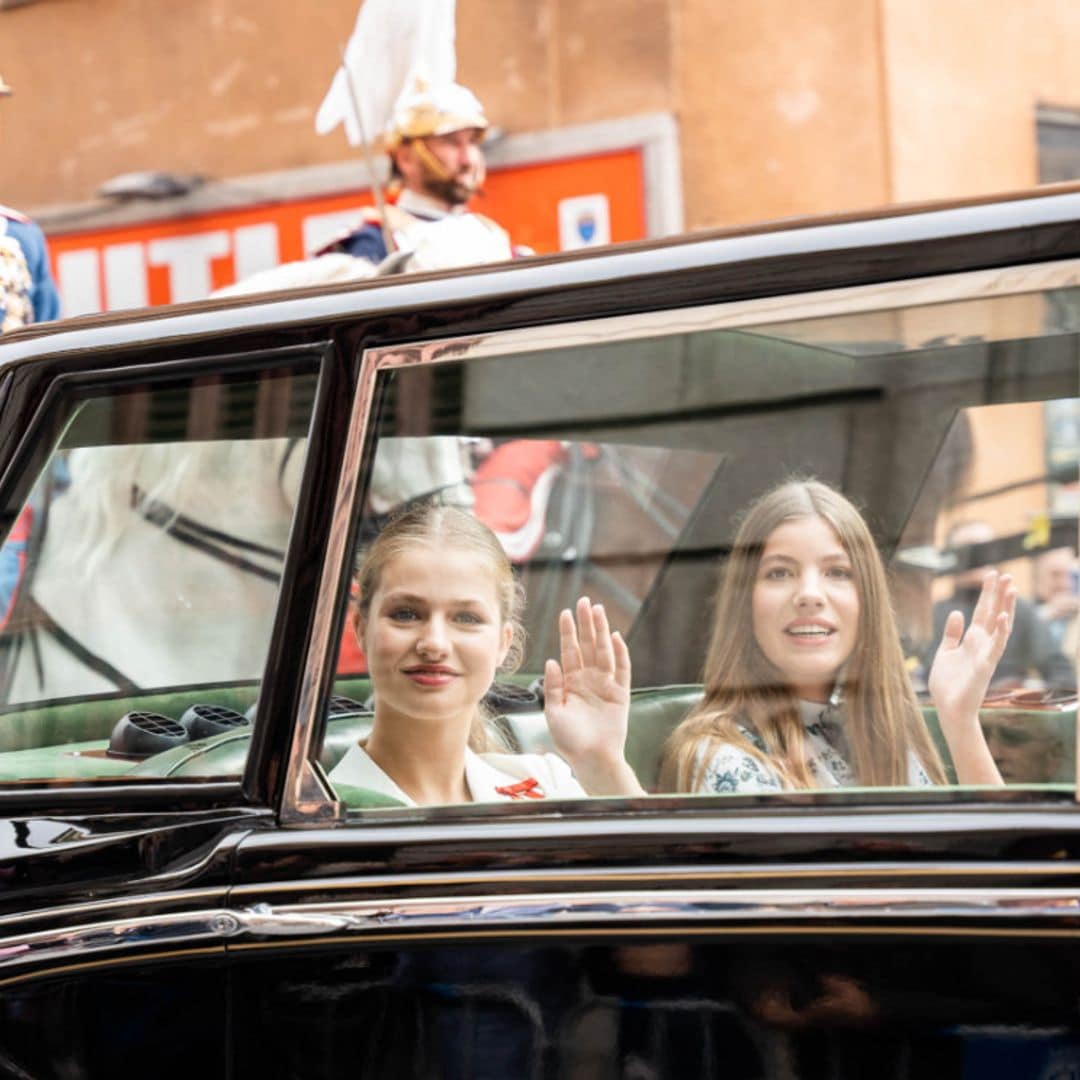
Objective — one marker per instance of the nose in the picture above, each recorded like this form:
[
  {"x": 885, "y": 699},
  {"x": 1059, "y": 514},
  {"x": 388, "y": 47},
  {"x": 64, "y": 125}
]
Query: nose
[
  {"x": 433, "y": 641},
  {"x": 808, "y": 593}
]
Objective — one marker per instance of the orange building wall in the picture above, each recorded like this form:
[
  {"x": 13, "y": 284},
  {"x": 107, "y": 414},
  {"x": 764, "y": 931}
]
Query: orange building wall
[
  {"x": 779, "y": 107},
  {"x": 964, "y": 80},
  {"x": 784, "y": 107}
]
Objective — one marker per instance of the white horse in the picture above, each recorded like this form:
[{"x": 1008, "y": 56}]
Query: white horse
[{"x": 157, "y": 567}]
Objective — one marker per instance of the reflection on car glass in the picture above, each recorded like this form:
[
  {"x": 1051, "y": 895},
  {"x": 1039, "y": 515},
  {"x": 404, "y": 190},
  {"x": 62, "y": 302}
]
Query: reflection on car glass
[
  {"x": 934, "y": 326},
  {"x": 574, "y": 518},
  {"x": 932, "y": 433},
  {"x": 146, "y": 561}
]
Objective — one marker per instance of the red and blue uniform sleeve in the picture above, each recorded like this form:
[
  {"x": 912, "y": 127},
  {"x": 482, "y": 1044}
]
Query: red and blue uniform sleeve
[{"x": 366, "y": 243}]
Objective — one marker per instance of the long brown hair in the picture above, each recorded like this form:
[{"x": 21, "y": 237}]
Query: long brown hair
[
  {"x": 743, "y": 689},
  {"x": 440, "y": 527}
]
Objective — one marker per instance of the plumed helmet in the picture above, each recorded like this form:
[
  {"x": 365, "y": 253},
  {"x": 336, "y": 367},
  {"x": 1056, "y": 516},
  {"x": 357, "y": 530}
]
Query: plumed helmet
[
  {"x": 424, "y": 110},
  {"x": 5, "y": 90}
]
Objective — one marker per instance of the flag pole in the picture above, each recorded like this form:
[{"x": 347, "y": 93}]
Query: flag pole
[{"x": 369, "y": 159}]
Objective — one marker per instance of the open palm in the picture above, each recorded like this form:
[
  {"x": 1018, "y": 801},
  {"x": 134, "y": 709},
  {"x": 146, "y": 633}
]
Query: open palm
[
  {"x": 966, "y": 661},
  {"x": 587, "y": 691}
]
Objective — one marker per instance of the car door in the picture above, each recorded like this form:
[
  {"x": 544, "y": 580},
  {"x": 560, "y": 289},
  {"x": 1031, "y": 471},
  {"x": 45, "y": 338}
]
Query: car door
[
  {"x": 607, "y": 419},
  {"x": 155, "y": 512}
]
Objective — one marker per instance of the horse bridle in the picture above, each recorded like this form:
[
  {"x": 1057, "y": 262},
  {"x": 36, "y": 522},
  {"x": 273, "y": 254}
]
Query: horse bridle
[
  {"x": 233, "y": 551},
  {"x": 213, "y": 542}
]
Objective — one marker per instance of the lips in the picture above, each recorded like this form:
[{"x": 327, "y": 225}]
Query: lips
[
  {"x": 431, "y": 675},
  {"x": 809, "y": 631}
]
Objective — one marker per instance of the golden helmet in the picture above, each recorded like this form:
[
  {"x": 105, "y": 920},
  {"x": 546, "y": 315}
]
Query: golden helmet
[{"x": 424, "y": 110}]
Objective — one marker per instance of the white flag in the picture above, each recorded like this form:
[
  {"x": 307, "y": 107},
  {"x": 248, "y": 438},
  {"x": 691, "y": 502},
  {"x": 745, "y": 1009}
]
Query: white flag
[{"x": 394, "y": 43}]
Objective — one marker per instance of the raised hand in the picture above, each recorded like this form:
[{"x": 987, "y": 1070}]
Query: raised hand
[
  {"x": 961, "y": 673},
  {"x": 966, "y": 660},
  {"x": 587, "y": 700}
]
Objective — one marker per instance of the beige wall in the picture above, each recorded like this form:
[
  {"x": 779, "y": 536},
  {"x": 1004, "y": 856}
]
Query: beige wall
[
  {"x": 779, "y": 107},
  {"x": 785, "y": 106},
  {"x": 964, "y": 78}
]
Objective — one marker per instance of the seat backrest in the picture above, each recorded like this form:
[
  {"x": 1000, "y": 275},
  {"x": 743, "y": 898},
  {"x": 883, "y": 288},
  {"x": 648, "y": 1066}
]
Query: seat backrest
[{"x": 654, "y": 714}]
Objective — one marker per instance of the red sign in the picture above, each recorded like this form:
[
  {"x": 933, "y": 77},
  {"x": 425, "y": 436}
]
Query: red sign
[{"x": 549, "y": 206}]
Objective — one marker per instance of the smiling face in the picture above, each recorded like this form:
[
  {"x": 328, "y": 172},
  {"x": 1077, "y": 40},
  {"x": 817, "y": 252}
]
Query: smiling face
[
  {"x": 805, "y": 605},
  {"x": 434, "y": 634}
]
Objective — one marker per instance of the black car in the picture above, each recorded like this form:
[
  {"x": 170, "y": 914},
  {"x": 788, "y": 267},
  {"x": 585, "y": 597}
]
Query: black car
[{"x": 183, "y": 493}]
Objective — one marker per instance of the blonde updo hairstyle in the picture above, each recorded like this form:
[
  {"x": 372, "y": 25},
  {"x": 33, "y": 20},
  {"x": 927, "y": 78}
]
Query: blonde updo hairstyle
[{"x": 439, "y": 527}]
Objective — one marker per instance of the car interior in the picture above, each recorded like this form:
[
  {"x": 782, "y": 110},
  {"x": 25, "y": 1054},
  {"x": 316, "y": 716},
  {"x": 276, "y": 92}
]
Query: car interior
[{"x": 620, "y": 474}]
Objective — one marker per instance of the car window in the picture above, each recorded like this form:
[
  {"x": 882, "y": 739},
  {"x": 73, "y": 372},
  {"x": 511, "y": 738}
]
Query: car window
[
  {"x": 139, "y": 580},
  {"x": 620, "y": 459}
]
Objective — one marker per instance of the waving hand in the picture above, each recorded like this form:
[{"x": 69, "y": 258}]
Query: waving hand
[
  {"x": 587, "y": 700},
  {"x": 961, "y": 674}
]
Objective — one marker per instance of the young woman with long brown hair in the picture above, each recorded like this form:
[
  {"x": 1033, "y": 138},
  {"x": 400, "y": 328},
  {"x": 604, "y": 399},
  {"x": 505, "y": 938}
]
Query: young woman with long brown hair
[{"x": 805, "y": 684}]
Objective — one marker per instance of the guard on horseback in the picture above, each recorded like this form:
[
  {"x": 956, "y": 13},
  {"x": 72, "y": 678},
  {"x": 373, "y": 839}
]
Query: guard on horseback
[{"x": 434, "y": 144}]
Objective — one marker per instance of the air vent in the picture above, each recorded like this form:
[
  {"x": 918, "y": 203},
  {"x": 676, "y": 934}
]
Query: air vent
[
  {"x": 202, "y": 721},
  {"x": 343, "y": 706},
  {"x": 505, "y": 698},
  {"x": 140, "y": 734}
]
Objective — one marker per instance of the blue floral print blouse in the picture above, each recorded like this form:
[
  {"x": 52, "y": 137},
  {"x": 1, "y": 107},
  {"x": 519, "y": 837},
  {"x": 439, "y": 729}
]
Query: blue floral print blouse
[{"x": 731, "y": 770}]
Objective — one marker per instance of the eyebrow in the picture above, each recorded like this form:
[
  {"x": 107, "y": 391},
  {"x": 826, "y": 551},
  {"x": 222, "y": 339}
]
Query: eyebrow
[
  {"x": 839, "y": 556},
  {"x": 412, "y": 598}
]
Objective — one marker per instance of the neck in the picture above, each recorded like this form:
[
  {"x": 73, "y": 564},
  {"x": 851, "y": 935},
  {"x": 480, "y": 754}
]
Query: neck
[
  {"x": 435, "y": 775},
  {"x": 817, "y": 694},
  {"x": 426, "y": 203}
]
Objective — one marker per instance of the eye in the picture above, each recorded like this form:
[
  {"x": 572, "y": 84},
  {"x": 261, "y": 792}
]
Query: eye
[
  {"x": 840, "y": 573},
  {"x": 404, "y": 614},
  {"x": 469, "y": 618},
  {"x": 777, "y": 573}
]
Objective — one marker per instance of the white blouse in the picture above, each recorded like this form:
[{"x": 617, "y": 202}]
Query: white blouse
[{"x": 490, "y": 777}]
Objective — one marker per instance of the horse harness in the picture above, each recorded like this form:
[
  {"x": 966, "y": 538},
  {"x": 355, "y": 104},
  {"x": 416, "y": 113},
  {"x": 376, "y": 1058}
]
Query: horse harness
[{"x": 29, "y": 617}]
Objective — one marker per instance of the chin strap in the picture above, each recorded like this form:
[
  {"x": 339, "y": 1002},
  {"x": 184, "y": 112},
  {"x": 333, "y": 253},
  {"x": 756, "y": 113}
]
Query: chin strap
[{"x": 436, "y": 168}]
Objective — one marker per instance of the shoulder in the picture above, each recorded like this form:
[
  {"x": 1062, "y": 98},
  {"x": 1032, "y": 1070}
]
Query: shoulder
[
  {"x": 490, "y": 224},
  {"x": 365, "y": 234},
  {"x": 14, "y": 215},
  {"x": 917, "y": 774},
  {"x": 25, "y": 229},
  {"x": 731, "y": 769}
]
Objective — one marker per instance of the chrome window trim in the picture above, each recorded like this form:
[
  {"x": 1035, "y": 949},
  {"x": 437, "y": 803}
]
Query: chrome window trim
[
  {"x": 677, "y": 875},
  {"x": 211, "y": 930},
  {"x": 740, "y": 314},
  {"x": 308, "y": 798}
]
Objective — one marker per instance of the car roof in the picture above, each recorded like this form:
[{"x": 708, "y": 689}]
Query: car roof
[{"x": 762, "y": 259}]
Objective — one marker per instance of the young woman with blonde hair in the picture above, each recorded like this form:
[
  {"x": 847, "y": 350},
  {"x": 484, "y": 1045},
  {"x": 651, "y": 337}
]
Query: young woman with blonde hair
[
  {"x": 439, "y": 616},
  {"x": 805, "y": 684}
]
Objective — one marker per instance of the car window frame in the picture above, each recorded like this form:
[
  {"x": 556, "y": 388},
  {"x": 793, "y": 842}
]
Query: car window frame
[
  {"x": 307, "y": 797},
  {"x": 55, "y": 390}
]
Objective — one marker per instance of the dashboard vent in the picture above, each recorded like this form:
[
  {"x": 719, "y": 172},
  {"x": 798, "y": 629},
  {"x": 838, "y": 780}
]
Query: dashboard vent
[{"x": 140, "y": 734}]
